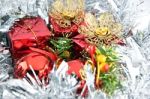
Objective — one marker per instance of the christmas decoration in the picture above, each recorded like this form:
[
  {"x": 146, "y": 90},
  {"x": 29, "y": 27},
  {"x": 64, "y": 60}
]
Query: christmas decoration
[
  {"x": 66, "y": 18},
  {"x": 72, "y": 49},
  {"x": 105, "y": 30},
  {"x": 40, "y": 61},
  {"x": 28, "y": 32}
]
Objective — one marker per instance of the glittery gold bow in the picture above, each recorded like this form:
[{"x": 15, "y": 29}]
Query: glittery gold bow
[{"x": 67, "y": 11}]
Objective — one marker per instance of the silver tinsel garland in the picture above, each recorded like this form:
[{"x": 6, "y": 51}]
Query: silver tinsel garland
[{"x": 135, "y": 56}]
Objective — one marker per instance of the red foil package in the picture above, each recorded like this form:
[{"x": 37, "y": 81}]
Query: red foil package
[
  {"x": 39, "y": 60},
  {"x": 28, "y": 32}
]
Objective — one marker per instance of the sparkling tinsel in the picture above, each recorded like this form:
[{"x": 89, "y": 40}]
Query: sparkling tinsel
[{"x": 135, "y": 56}]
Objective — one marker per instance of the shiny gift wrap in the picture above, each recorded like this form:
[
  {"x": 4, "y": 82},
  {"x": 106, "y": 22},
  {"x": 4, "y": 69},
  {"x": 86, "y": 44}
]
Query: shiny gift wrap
[
  {"x": 28, "y": 32},
  {"x": 40, "y": 61}
]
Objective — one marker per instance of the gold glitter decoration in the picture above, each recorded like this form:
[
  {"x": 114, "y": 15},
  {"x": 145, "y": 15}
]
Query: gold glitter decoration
[
  {"x": 67, "y": 11},
  {"x": 103, "y": 30}
]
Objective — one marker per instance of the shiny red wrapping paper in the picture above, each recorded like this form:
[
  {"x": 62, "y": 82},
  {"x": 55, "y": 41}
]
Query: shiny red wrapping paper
[
  {"x": 28, "y": 32},
  {"x": 39, "y": 60}
]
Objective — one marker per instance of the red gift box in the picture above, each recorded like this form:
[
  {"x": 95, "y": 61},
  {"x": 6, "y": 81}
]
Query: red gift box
[{"x": 28, "y": 32}]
